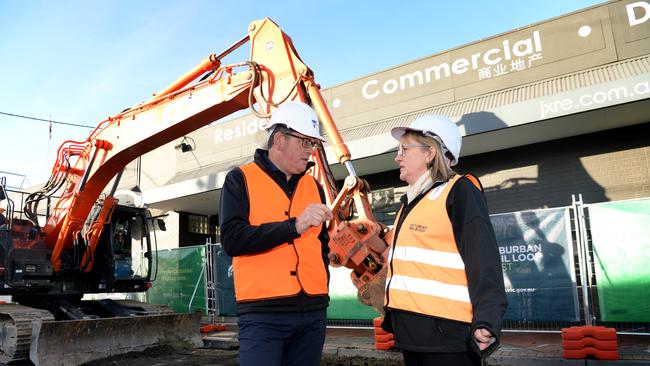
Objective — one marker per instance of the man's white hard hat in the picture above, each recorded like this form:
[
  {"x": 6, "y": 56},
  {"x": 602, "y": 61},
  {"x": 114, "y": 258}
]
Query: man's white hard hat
[
  {"x": 297, "y": 116},
  {"x": 438, "y": 127}
]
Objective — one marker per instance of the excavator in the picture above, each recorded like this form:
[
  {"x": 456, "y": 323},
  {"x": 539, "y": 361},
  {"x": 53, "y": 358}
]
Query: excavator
[{"x": 88, "y": 242}]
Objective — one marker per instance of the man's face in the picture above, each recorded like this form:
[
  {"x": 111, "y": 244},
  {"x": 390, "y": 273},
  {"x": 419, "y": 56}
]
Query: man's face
[{"x": 293, "y": 150}]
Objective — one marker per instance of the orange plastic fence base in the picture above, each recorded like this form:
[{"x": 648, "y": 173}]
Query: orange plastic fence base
[
  {"x": 591, "y": 342},
  {"x": 384, "y": 341},
  {"x": 376, "y": 322},
  {"x": 383, "y": 338},
  {"x": 209, "y": 328},
  {"x": 597, "y": 341},
  {"x": 384, "y": 346},
  {"x": 590, "y": 351},
  {"x": 598, "y": 332}
]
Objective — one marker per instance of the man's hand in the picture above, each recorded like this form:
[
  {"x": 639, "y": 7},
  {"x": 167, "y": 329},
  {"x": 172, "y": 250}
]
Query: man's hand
[
  {"x": 314, "y": 215},
  {"x": 483, "y": 338}
]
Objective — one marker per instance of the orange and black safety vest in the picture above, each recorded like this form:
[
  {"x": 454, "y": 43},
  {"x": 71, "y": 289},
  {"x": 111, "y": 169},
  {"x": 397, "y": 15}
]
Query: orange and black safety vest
[
  {"x": 427, "y": 273},
  {"x": 289, "y": 268}
]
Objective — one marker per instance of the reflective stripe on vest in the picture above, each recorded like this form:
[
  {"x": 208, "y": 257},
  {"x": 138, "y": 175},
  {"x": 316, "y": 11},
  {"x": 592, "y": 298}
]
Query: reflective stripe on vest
[
  {"x": 427, "y": 273},
  {"x": 289, "y": 268}
]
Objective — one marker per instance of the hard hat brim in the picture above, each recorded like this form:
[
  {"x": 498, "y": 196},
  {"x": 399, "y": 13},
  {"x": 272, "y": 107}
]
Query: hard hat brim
[
  {"x": 397, "y": 132},
  {"x": 316, "y": 137}
]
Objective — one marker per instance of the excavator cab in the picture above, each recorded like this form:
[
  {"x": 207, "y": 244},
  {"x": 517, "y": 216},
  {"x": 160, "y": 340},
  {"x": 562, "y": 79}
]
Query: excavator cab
[
  {"x": 118, "y": 265},
  {"x": 121, "y": 262}
]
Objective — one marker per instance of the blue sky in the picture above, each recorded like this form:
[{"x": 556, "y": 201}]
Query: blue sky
[{"x": 82, "y": 61}]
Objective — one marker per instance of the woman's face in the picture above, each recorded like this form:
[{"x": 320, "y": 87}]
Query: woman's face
[{"x": 412, "y": 158}]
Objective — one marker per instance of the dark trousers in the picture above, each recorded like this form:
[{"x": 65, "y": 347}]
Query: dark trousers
[
  {"x": 440, "y": 359},
  {"x": 281, "y": 339}
]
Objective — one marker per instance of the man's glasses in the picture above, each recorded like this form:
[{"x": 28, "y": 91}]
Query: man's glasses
[
  {"x": 402, "y": 148},
  {"x": 304, "y": 141}
]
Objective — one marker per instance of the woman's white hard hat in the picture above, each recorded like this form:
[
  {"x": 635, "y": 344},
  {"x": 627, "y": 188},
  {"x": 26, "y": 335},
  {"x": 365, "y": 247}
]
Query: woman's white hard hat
[
  {"x": 438, "y": 127},
  {"x": 297, "y": 116}
]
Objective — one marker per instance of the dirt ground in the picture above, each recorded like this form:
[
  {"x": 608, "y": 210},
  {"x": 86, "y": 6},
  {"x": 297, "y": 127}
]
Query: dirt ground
[
  {"x": 165, "y": 355},
  {"x": 212, "y": 357}
]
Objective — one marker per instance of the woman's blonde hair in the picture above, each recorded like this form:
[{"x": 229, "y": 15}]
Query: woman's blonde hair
[{"x": 438, "y": 167}]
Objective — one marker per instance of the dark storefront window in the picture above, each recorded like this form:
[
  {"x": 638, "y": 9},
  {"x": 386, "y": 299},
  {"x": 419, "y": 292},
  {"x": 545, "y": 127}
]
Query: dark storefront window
[
  {"x": 385, "y": 203},
  {"x": 198, "y": 224}
]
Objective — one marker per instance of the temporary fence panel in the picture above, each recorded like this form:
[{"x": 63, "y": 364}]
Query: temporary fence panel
[
  {"x": 344, "y": 303},
  {"x": 544, "y": 282},
  {"x": 537, "y": 261},
  {"x": 343, "y": 295},
  {"x": 620, "y": 233},
  {"x": 180, "y": 281},
  {"x": 224, "y": 296}
]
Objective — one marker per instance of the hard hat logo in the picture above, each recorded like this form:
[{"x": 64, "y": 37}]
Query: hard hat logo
[
  {"x": 440, "y": 128},
  {"x": 297, "y": 116}
]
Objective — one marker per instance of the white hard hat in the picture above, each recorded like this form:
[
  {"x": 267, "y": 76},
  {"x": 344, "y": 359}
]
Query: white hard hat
[
  {"x": 297, "y": 116},
  {"x": 438, "y": 127}
]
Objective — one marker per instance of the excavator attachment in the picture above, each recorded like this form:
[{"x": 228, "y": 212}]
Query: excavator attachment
[
  {"x": 101, "y": 338},
  {"x": 46, "y": 342},
  {"x": 360, "y": 243}
]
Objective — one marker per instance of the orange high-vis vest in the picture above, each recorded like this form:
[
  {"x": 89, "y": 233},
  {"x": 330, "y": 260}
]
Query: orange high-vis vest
[
  {"x": 427, "y": 273},
  {"x": 289, "y": 268}
]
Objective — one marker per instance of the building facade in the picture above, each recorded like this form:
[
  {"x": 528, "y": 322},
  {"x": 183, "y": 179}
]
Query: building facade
[{"x": 547, "y": 111}]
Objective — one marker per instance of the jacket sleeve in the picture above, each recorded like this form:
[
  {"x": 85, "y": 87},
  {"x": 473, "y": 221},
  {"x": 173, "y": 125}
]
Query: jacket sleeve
[
  {"x": 238, "y": 236},
  {"x": 477, "y": 246}
]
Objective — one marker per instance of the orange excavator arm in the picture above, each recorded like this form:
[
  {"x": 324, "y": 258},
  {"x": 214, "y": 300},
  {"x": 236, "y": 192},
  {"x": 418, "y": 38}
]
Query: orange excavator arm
[
  {"x": 83, "y": 169},
  {"x": 209, "y": 92}
]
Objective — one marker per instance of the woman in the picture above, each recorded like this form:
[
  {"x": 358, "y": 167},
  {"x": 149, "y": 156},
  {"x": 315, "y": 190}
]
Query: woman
[{"x": 445, "y": 297}]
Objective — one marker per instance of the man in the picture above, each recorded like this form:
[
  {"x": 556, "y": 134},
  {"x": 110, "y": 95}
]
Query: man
[{"x": 272, "y": 218}]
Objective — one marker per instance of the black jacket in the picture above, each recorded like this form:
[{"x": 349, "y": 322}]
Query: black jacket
[
  {"x": 474, "y": 235},
  {"x": 239, "y": 237}
]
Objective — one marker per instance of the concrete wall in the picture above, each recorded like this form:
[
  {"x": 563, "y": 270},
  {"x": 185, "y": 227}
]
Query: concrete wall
[
  {"x": 604, "y": 166},
  {"x": 169, "y": 239}
]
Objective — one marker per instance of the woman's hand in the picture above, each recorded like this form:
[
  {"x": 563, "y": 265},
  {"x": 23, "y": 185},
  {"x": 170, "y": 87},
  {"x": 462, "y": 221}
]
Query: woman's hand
[{"x": 483, "y": 338}]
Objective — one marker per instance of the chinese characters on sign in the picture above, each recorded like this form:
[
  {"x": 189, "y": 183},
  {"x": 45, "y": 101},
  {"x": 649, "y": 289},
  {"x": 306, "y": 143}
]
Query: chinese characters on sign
[{"x": 515, "y": 65}]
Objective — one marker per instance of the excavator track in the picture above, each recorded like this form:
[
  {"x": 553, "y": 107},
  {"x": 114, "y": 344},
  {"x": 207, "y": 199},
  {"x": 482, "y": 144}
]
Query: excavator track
[
  {"x": 29, "y": 334},
  {"x": 17, "y": 323}
]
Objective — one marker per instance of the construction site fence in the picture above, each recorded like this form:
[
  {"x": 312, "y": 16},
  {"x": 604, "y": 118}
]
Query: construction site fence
[
  {"x": 180, "y": 279},
  {"x": 584, "y": 264}
]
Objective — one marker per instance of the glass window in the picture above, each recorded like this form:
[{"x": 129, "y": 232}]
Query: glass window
[{"x": 198, "y": 224}]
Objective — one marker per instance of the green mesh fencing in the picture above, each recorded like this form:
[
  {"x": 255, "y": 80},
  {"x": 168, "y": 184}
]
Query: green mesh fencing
[
  {"x": 343, "y": 298},
  {"x": 620, "y": 234},
  {"x": 179, "y": 271}
]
